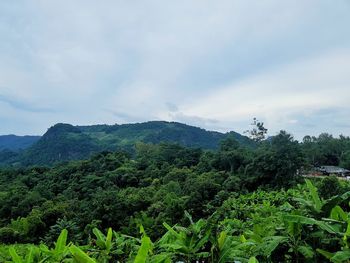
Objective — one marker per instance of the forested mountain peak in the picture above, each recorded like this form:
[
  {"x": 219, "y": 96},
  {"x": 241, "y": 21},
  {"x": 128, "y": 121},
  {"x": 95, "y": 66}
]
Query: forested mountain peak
[
  {"x": 64, "y": 142},
  {"x": 61, "y": 128}
]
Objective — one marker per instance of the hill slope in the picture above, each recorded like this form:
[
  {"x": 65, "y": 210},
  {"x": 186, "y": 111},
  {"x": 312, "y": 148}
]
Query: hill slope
[
  {"x": 64, "y": 142},
  {"x": 14, "y": 142}
]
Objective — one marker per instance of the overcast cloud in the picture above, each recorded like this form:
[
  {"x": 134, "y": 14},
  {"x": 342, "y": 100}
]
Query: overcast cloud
[{"x": 214, "y": 64}]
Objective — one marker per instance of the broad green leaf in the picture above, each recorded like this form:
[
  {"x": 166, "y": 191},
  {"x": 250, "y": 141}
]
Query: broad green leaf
[
  {"x": 306, "y": 251},
  {"x": 161, "y": 258},
  {"x": 338, "y": 213},
  {"x": 310, "y": 221},
  {"x": 146, "y": 246},
  {"x": 109, "y": 239},
  {"x": 269, "y": 244},
  {"x": 331, "y": 203},
  {"x": 172, "y": 231},
  {"x": 15, "y": 257},
  {"x": 44, "y": 248},
  {"x": 101, "y": 238},
  {"x": 222, "y": 239},
  {"x": 253, "y": 260},
  {"x": 347, "y": 233},
  {"x": 327, "y": 227},
  {"x": 325, "y": 253},
  {"x": 315, "y": 197},
  {"x": 30, "y": 255},
  {"x": 341, "y": 256},
  {"x": 243, "y": 239},
  {"x": 61, "y": 241},
  {"x": 300, "y": 219},
  {"x": 80, "y": 256}
]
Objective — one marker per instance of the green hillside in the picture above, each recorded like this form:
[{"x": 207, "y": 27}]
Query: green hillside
[
  {"x": 64, "y": 142},
  {"x": 14, "y": 142},
  {"x": 168, "y": 203},
  {"x": 125, "y": 135}
]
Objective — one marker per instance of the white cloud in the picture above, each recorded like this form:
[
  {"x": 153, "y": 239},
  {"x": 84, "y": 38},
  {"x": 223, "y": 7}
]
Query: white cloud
[
  {"x": 278, "y": 95},
  {"x": 226, "y": 60}
]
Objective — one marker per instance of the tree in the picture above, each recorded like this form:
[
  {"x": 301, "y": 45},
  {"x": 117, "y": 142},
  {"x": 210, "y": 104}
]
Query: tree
[
  {"x": 230, "y": 156},
  {"x": 258, "y": 131},
  {"x": 277, "y": 162},
  {"x": 345, "y": 160}
]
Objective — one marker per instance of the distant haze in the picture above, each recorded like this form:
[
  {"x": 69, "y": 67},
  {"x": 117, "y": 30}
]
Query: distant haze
[{"x": 213, "y": 64}]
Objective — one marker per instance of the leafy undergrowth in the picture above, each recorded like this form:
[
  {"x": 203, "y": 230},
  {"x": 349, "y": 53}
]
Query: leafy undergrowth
[{"x": 292, "y": 226}]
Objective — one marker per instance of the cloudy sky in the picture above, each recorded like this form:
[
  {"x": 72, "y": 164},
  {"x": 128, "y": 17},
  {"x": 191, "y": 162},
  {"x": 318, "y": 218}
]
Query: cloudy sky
[{"x": 213, "y": 64}]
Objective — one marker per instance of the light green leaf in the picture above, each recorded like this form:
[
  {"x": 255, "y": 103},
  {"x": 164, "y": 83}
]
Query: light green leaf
[
  {"x": 314, "y": 195},
  {"x": 222, "y": 239},
  {"x": 101, "y": 238},
  {"x": 253, "y": 260},
  {"x": 15, "y": 257},
  {"x": 145, "y": 247},
  {"x": 61, "y": 241},
  {"x": 338, "y": 213},
  {"x": 80, "y": 256},
  {"x": 30, "y": 255},
  {"x": 109, "y": 240},
  {"x": 172, "y": 231}
]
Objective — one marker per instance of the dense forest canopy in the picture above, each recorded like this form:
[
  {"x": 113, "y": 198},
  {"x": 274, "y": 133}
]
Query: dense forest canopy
[{"x": 236, "y": 190}]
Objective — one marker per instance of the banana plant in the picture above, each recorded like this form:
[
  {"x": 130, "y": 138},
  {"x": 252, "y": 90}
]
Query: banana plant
[
  {"x": 104, "y": 245},
  {"x": 32, "y": 255},
  {"x": 59, "y": 252},
  {"x": 145, "y": 248},
  {"x": 80, "y": 256},
  {"x": 317, "y": 207},
  {"x": 339, "y": 216},
  {"x": 145, "y": 252},
  {"x": 187, "y": 243},
  {"x": 125, "y": 246},
  {"x": 43, "y": 254},
  {"x": 228, "y": 248}
]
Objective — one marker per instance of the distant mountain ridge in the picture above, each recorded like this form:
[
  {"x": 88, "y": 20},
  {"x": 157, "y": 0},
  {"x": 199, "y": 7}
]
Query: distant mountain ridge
[
  {"x": 65, "y": 142},
  {"x": 15, "y": 143}
]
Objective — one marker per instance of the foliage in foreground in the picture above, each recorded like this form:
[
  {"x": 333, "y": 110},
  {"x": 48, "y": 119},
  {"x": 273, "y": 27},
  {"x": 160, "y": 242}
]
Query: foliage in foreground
[
  {"x": 235, "y": 195},
  {"x": 279, "y": 227}
]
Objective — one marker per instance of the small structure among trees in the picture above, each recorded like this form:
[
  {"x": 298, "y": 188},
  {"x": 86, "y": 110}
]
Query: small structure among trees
[{"x": 333, "y": 170}]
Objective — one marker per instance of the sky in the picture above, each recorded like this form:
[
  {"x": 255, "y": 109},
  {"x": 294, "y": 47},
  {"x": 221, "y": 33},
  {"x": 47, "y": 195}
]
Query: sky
[{"x": 212, "y": 64}]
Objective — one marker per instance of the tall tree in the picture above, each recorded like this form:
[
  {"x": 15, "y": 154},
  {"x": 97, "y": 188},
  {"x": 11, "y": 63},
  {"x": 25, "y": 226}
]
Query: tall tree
[{"x": 258, "y": 131}]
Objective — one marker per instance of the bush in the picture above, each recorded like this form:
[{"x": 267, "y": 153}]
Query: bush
[
  {"x": 8, "y": 235},
  {"x": 329, "y": 186}
]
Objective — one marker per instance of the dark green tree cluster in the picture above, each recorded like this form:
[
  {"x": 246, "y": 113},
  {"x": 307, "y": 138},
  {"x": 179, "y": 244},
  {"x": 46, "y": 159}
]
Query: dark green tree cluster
[
  {"x": 327, "y": 150},
  {"x": 156, "y": 185}
]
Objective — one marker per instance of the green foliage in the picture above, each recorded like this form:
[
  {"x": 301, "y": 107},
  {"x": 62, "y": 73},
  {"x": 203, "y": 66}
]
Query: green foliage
[
  {"x": 145, "y": 248},
  {"x": 244, "y": 204},
  {"x": 64, "y": 142},
  {"x": 326, "y": 150},
  {"x": 329, "y": 186},
  {"x": 345, "y": 159},
  {"x": 274, "y": 228}
]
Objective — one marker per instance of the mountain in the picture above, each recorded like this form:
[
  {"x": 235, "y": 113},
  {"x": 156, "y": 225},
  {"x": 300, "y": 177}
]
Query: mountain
[
  {"x": 64, "y": 142},
  {"x": 15, "y": 143}
]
